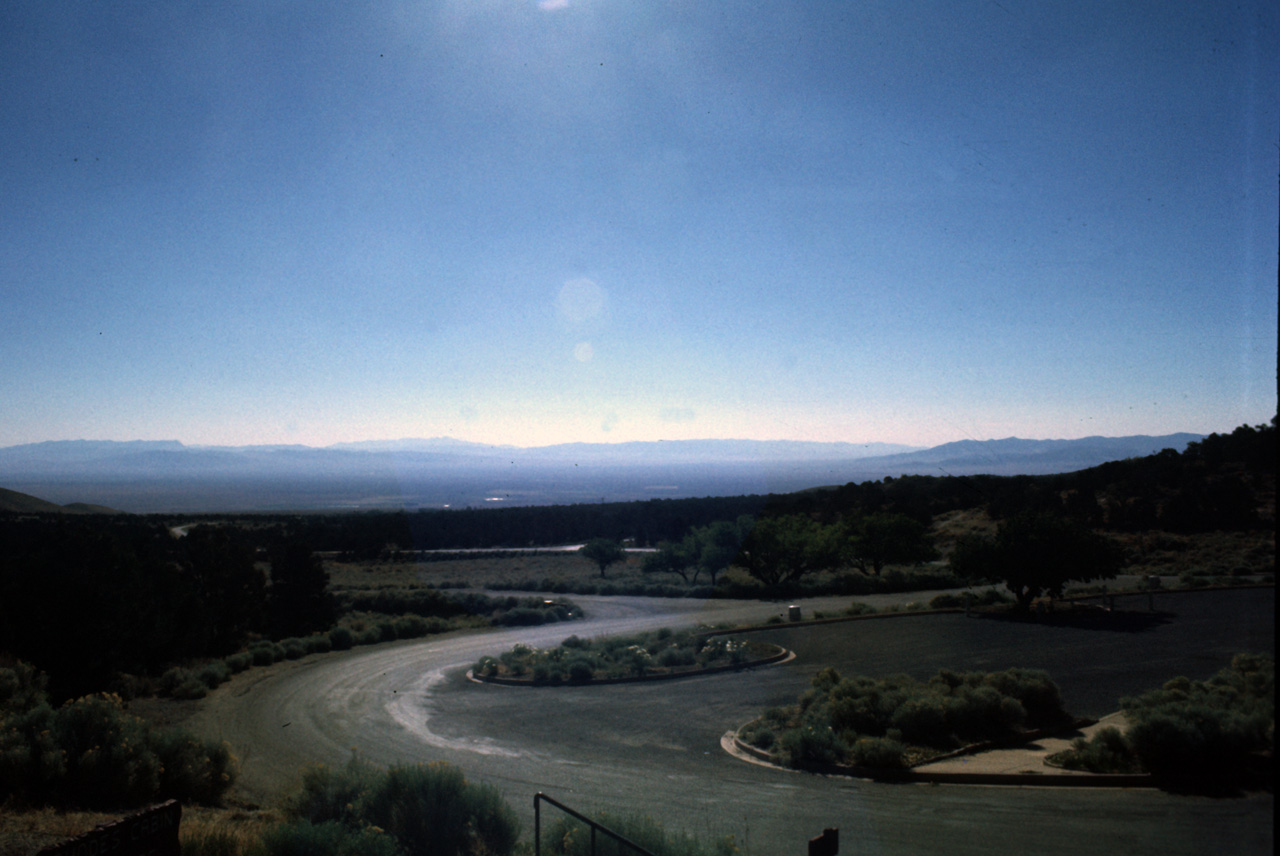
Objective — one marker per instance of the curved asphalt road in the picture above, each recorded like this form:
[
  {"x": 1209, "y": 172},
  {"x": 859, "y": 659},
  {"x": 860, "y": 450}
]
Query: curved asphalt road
[{"x": 654, "y": 748}]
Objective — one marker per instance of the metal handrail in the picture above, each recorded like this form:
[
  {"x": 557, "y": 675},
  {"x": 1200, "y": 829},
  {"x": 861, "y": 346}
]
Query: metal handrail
[{"x": 537, "y": 826}]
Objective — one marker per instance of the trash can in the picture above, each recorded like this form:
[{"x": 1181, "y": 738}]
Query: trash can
[{"x": 793, "y": 613}]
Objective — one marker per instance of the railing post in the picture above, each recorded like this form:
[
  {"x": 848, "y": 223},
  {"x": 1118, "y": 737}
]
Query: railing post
[
  {"x": 537, "y": 826},
  {"x": 826, "y": 844}
]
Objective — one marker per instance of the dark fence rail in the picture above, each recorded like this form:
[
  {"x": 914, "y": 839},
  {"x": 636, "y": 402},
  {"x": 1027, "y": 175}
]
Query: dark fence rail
[{"x": 540, "y": 798}]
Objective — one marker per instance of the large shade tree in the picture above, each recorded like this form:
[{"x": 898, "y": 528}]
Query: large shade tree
[
  {"x": 1037, "y": 554},
  {"x": 784, "y": 549},
  {"x": 604, "y": 552},
  {"x": 298, "y": 601},
  {"x": 889, "y": 539},
  {"x": 705, "y": 549}
]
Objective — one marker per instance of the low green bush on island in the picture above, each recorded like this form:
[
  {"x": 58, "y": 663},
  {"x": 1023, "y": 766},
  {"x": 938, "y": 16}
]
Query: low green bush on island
[
  {"x": 1198, "y": 734},
  {"x": 662, "y": 652},
  {"x": 898, "y": 721}
]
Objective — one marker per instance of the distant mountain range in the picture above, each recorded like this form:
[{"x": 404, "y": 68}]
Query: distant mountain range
[{"x": 169, "y": 476}]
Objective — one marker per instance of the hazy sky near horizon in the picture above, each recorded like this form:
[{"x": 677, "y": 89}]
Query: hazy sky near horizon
[{"x": 595, "y": 220}]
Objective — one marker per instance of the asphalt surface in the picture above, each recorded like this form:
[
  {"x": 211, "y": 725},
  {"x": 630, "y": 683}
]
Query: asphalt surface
[{"x": 654, "y": 748}]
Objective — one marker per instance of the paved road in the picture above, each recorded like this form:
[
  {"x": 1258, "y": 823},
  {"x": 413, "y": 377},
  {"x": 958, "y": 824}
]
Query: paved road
[{"x": 655, "y": 747}]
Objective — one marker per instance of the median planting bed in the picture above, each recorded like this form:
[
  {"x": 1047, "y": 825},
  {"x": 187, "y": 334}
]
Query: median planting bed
[
  {"x": 662, "y": 653},
  {"x": 898, "y": 722}
]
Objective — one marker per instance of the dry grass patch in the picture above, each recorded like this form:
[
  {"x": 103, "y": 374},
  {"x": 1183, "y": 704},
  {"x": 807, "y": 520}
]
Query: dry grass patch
[
  {"x": 228, "y": 831},
  {"x": 26, "y": 832},
  {"x": 483, "y": 571},
  {"x": 1209, "y": 553}
]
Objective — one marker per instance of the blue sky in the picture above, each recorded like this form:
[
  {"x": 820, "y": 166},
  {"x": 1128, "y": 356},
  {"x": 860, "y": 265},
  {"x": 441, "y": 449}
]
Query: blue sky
[{"x": 597, "y": 220}]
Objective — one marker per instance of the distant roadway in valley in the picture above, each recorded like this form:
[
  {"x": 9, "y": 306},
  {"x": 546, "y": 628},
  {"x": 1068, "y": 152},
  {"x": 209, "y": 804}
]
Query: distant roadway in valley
[{"x": 654, "y": 748}]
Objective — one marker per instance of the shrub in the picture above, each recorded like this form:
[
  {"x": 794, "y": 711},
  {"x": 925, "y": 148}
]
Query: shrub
[
  {"x": 522, "y": 617},
  {"x": 294, "y": 648},
  {"x": 330, "y": 794},
  {"x": 191, "y": 689},
  {"x": 22, "y": 687},
  {"x": 237, "y": 663},
  {"x": 266, "y": 653},
  {"x": 923, "y": 721},
  {"x": 433, "y": 809},
  {"x": 214, "y": 674},
  {"x": 580, "y": 671},
  {"x": 883, "y": 753},
  {"x": 1108, "y": 751},
  {"x": 570, "y": 837},
  {"x": 546, "y": 673},
  {"x": 31, "y": 762},
  {"x": 303, "y": 838},
  {"x": 318, "y": 643},
  {"x": 982, "y": 713},
  {"x": 811, "y": 744},
  {"x": 193, "y": 770},
  {"x": 172, "y": 679},
  {"x": 1034, "y": 689},
  {"x": 1204, "y": 732},
  {"x": 410, "y": 627},
  {"x": 341, "y": 639},
  {"x": 107, "y": 760},
  {"x": 91, "y": 754}
]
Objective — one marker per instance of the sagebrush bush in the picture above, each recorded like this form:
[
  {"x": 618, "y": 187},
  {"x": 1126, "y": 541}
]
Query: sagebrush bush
[
  {"x": 303, "y": 838},
  {"x": 341, "y": 639},
  {"x": 949, "y": 710},
  {"x": 294, "y": 648},
  {"x": 426, "y": 808},
  {"x": 266, "y": 653},
  {"x": 1108, "y": 751},
  {"x": 433, "y": 809},
  {"x": 213, "y": 675},
  {"x": 882, "y": 753},
  {"x": 90, "y": 753},
  {"x": 810, "y": 744},
  {"x": 192, "y": 769},
  {"x": 237, "y": 663},
  {"x": 334, "y": 794},
  {"x": 570, "y": 837}
]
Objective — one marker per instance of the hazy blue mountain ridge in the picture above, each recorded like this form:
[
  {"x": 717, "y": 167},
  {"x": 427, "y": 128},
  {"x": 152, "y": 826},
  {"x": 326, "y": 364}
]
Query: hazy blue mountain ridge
[{"x": 170, "y": 476}]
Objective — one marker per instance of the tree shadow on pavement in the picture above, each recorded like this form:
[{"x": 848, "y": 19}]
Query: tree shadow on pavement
[{"x": 1121, "y": 621}]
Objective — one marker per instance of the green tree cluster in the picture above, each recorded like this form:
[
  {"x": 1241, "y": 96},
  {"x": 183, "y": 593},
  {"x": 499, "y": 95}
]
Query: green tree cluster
[
  {"x": 709, "y": 549},
  {"x": 88, "y": 599}
]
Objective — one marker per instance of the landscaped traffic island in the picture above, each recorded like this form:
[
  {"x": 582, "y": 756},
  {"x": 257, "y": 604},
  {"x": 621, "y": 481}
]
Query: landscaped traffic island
[
  {"x": 646, "y": 656},
  {"x": 898, "y": 722}
]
